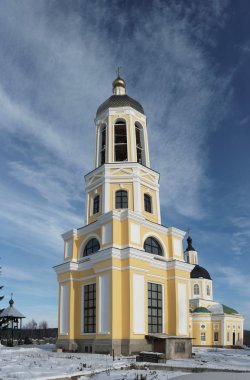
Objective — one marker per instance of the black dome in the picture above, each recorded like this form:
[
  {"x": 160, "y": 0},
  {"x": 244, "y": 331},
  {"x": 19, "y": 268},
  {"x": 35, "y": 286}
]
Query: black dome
[
  {"x": 120, "y": 101},
  {"x": 200, "y": 272}
]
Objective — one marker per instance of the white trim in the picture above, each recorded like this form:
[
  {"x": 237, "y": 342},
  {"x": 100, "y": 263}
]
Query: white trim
[
  {"x": 129, "y": 252},
  {"x": 182, "y": 308},
  {"x": 138, "y": 304},
  {"x": 114, "y": 111},
  {"x": 77, "y": 279},
  {"x": 137, "y": 195},
  {"x": 69, "y": 234},
  {"x": 132, "y": 139},
  {"x": 64, "y": 309},
  {"x": 156, "y": 276},
  {"x": 104, "y": 304},
  {"x": 158, "y": 206}
]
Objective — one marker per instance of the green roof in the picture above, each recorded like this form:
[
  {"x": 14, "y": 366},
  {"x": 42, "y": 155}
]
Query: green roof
[
  {"x": 201, "y": 310},
  {"x": 229, "y": 310}
]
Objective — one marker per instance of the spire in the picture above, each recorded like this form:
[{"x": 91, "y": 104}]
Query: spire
[
  {"x": 119, "y": 85},
  {"x": 190, "y": 247},
  {"x": 11, "y": 300}
]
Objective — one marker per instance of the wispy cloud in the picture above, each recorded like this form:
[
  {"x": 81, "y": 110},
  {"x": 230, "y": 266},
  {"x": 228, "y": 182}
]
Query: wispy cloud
[{"x": 57, "y": 64}]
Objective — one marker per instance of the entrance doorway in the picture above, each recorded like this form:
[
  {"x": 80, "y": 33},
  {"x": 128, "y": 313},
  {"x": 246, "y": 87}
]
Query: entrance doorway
[{"x": 234, "y": 339}]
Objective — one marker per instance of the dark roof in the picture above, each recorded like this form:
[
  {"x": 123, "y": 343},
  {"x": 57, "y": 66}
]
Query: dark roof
[
  {"x": 11, "y": 311},
  {"x": 119, "y": 101},
  {"x": 200, "y": 272},
  {"x": 201, "y": 310}
]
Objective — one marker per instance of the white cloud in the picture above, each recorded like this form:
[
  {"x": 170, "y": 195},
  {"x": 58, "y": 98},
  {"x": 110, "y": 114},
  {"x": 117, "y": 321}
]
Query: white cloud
[{"x": 57, "y": 66}]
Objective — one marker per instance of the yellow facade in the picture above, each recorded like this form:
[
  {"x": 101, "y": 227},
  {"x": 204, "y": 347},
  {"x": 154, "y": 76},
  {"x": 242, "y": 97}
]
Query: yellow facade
[{"x": 125, "y": 277}]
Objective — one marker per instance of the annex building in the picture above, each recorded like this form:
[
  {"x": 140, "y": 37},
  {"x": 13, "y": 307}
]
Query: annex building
[{"x": 125, "y": 283}]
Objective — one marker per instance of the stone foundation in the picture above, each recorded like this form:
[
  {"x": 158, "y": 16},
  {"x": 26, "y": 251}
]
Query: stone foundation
[{"x": 106, "y": 346}]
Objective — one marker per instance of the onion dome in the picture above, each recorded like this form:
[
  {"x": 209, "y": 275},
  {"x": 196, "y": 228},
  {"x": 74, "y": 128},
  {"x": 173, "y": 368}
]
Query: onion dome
[
  {"x": 119, "y": 98},
  {"x": 118, "y": 82},
  {"x": 201, "y": 310},
  {"x": 200, "y": 272},
  {"x": 190, "y": 247}
]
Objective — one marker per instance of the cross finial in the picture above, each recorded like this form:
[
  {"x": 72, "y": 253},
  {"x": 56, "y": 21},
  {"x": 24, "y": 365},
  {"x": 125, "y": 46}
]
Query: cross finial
[
  {"x": 188, "y": 231},
  {"x": 118, "y": 71},
  {"x": 11, "y": 295}
]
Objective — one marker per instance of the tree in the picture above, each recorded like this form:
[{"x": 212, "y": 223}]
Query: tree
[
  {"x": 43, "y": 325},
  {"x": 31, "y": 325},
  {"x": 3, "y": 321}
]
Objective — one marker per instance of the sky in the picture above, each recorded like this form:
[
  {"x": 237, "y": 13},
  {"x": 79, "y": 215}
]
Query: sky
[{"x": 187, "y": 62}]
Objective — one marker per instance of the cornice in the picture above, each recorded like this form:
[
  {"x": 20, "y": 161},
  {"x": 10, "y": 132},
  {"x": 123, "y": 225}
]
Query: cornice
[
  {"x": 123, "y": 215},
  {"x": 69, "y": 234},
  {"x": 129, "y": 252},
  {"x": 119, "y": 111}
]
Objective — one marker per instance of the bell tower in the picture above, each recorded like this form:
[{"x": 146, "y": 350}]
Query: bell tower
[
  {"x": 124, "y": 275},
  {"x": 122, "y": 162}
]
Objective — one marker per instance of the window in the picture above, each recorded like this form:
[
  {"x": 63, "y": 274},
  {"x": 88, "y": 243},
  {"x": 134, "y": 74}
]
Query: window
[
  {"x": 228, "y": 336},
  {"x": 103, "y": 144},
  {"x": 196, "y": 289},
  {"x": 208, "y": 290},
  {"x": 147, "y": 203},
  {"x": 238, "y": 337},
  {"x": 91, "y": 247},
  {"x": 96, "y": 204},
  {"x": 121, "y": 153},
  {"x": 151, "y": 245},
  {"x": 216, "y": 336},
  {"x": 154, "y": 308},
  {"x": 121, "y": 199},
  {"x": 203, "y": 337},
  {"x": 203, "y": 326},
  {"x": 90, "y": 308},
  {"x": 139, "y": 143}
]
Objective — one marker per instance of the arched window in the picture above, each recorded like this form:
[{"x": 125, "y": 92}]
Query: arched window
[
  {"x": 121, "y": 199},
  {"x": 121, "y": 153},
  {"x": 151, "y": 245},
  {"x": 139, "y": 144},
  {"x": 196, "y": 289},
  {"x": 96, "y": 204},
  {"x": 208, "y": 290},
  {"x": 103, "y": 144},
  {"x": 147, "y": 203},
  {"x": 91, "y": 247}
]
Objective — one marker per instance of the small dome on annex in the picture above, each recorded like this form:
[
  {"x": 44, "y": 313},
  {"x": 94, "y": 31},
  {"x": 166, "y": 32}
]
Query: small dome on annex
[
  {"x": 200, "y": 272},
  {"x": 219, "y": 308}
]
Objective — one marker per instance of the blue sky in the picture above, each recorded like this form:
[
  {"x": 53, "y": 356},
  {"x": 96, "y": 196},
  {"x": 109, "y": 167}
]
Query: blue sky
[{"x": 188, "y": 63}]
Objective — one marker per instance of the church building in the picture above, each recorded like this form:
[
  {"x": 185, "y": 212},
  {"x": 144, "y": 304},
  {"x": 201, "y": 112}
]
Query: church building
[{"x": 125, "y": 284}]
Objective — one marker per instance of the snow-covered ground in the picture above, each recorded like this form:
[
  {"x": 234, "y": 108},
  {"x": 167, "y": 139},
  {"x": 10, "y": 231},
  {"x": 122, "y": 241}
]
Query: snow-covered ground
[{"x": 40, "y": 363}]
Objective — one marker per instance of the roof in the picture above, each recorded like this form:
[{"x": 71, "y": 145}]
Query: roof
[
  {"x": 219, "y": 308},
  {"x": 200, "y": 272},
  {"x": 11, "y": 311},
  {"x": 120, "y": 101},
  {"x": 201, "y": 310}
]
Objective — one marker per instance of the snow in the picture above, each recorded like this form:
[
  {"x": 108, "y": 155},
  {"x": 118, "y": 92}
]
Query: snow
[{"x": 40, "y": 362}]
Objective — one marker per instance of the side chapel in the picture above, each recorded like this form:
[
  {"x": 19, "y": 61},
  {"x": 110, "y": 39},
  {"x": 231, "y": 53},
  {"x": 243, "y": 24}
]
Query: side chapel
[{"x": 125, "y": 283}]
